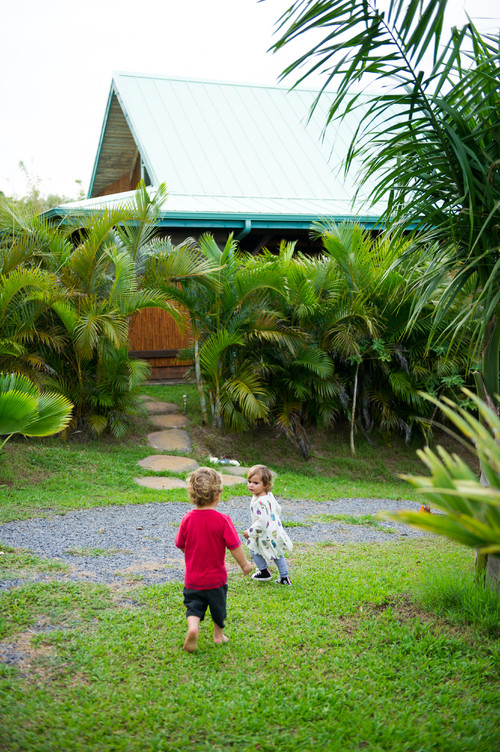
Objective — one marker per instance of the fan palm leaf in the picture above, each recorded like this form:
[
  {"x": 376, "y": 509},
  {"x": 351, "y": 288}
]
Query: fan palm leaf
[{"x": 24, "y": 409}]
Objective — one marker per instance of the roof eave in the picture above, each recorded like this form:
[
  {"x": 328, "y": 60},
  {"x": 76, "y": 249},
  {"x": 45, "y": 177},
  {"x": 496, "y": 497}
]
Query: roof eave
[
  {"x": 236, "y": 222},
  {"x": 258, "y": 221}
]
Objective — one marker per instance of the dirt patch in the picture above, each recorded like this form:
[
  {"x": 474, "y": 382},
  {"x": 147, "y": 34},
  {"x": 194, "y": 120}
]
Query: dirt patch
[
  {"x": 21, "y": 653},
  {"x": 404, "y": 611},
  {"x": 329, "y": 451},
  {"x": 19, "y": 650},
  {"x": 150, "y": 566}
]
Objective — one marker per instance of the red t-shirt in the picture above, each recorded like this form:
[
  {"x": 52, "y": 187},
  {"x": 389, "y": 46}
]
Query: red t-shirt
[{"x": 204, "y": 535}]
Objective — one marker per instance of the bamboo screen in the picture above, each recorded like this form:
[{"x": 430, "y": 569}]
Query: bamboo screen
[{"x": 155, "y": 331}]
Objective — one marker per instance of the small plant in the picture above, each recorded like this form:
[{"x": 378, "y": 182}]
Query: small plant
[
  {"x": 89, "y": 551},
  {"x": 472, "y": 510},
  {"x": 456, "y": 597},
  {"x": 291, "y": 523}
]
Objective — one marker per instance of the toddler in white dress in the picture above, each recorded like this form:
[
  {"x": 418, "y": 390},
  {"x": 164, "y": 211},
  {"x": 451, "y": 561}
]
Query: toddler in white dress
[{"x": 267, "y": 540}]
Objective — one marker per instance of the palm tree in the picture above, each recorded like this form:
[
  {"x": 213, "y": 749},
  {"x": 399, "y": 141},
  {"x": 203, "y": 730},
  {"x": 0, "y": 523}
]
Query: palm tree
[
  {"x": 26, "y": 296},
  {"x": 26, "y": 410},
  {"x": 68, "y": 294},
  {"x": 287, "y": 350},
  {"x": 429, "y": 140},
  {"x": 225, "y": 310},
  {"x": 367, "y": 333}
]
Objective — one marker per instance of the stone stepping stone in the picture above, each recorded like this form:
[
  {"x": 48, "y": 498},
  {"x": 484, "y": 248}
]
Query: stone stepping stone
[
  {"x": 161, "y": 484},
  {"x": 232, "y": 480},
  {"x": 171, "y": 440},
  {"x": 145, "y": 397},
  {"x": 162, "y": 407},
  {"x": 169, "y": 420},
  {"x": 243, "y": 471},
  {"x": 161, "y": 462},
  {"x": 232, "y": 470}
]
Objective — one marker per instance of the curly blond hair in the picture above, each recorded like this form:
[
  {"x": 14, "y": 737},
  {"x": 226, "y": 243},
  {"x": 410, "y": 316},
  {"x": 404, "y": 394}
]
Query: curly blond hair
[
  {"x": 264, "y": 473},
  {"x": 204, "y": 485}
]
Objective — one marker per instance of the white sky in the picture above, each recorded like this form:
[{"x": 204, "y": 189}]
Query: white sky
[{"x": 57, "y": 58}]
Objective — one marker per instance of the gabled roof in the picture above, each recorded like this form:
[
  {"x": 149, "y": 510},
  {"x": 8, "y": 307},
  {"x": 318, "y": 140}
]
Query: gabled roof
[{"x": 231, "y": 154}]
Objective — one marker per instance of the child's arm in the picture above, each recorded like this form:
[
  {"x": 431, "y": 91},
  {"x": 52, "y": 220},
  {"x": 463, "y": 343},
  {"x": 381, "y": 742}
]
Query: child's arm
[{"x": 241, "y": 559}]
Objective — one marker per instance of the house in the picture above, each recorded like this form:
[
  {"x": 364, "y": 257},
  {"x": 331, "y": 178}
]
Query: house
[{"x": 237, "y": 158}]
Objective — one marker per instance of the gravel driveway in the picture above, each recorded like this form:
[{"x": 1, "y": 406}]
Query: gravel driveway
[{"x": 120, "y": 544}]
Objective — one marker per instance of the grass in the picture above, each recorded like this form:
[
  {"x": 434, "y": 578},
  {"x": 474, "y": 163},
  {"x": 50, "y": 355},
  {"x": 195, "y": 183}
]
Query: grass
[
  {"x": 349, "y": 519},
  {"x": 344, "y": 660},
  {"x": 89, "y": 551},
  {"x": 375, "y": 647},
  {"x": 46, "y": 476}
]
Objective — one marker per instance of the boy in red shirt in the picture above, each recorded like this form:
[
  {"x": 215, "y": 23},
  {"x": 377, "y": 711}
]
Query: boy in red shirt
[{"x": 203, "y": 536}]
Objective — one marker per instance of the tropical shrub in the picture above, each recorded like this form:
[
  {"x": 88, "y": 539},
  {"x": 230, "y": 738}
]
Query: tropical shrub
[
  {"x": 227, "y": 313},
  {"x": 67, "y": 294},
  {"x": 346, "y": 350},
  {"x": 471, "y": 509},
  {"x": 429, "y": 141},
  {"x": 384, "y": 362}
]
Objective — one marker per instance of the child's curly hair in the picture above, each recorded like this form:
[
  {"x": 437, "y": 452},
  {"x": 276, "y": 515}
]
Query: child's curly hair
[
  {"x": 265, "y": 474},
  {"x": 204, "y": 485}
]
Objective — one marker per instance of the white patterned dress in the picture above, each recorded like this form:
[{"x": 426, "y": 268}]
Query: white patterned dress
[{"x": 266, "y": 535}]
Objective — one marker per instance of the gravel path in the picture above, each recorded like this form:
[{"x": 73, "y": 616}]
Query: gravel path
[{"x": 136, "y": 542}]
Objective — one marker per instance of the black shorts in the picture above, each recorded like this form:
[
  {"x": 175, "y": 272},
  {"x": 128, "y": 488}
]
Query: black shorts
[{"x": 197, "y": 602}]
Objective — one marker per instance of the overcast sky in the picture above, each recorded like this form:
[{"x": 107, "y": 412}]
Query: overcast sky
[{"x": 57, "y": 59}]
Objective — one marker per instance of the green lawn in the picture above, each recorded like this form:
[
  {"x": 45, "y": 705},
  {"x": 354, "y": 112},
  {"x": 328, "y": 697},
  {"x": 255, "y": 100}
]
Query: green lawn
[
  {"x": 43, "y": 476},
  {"x": 364, "y": 652}
]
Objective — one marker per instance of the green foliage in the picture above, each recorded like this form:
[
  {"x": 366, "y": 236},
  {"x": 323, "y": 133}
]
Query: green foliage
[
  {"x": 472, "y": 510},
  {"x": 345, "y": 347},
  {"x": 225, "y": 311},
  {"x": 429, "y": 141},
  {"x": 26, "y": 410},
  {"x": 298, "y": 341},
  {"x": 67, "y": 294}
]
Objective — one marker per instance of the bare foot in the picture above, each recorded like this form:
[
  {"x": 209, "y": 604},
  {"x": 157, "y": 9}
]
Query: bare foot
[
  {"x": 222, "y": 640},
  {"x": 191, "y": 641}
]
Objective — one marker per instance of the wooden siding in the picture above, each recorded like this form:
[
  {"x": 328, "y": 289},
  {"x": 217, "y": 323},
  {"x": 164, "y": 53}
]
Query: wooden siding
[
  {"x": 155, "y": 337},
  {"x": 127, "y": 182},
  {"x": 118, "y": 155},
  {"x": 119, "y": 186}
]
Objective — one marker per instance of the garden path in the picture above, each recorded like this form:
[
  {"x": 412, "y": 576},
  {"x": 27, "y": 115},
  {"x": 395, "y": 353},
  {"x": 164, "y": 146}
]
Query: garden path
[
  {"x": 135, "y": 543},
  {"x": 173, "y": 437}
]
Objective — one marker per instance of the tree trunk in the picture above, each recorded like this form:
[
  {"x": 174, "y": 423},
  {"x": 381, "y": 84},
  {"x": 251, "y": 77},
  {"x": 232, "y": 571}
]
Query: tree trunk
[
  {"x": 199, "y": 383},
  {"x": 353, "y": 412},
  {"x": 488, "y": 570},
  {"x": 492, "y": 578},
  {"x": 490, "y": 362},
  {"x": 487, "y": 566}
]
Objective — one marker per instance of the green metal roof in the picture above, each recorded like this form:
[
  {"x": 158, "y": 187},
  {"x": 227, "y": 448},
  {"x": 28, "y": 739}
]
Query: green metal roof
[{"x": 229, "y": 153}]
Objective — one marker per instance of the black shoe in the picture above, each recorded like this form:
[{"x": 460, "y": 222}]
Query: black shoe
[
  {"x": 263, "y": 575},
  {"x": 284, "y": 581}
]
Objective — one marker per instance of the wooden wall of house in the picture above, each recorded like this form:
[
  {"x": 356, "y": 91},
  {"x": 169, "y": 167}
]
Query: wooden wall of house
[
  {"x": 155, "y": 337},
  {"x": 128, "y": 182},
  {"x": 119, "y": 186}
]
